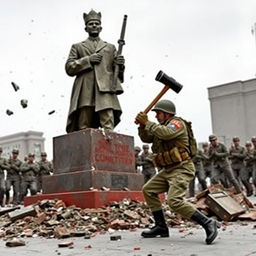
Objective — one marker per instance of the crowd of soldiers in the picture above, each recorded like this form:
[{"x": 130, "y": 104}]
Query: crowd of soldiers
[
  {"x": 21, "y": 176},
  {"x": 235, "y": 166}
]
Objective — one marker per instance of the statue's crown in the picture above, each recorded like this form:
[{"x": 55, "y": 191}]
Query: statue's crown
[{"x": 92, "y": 15}]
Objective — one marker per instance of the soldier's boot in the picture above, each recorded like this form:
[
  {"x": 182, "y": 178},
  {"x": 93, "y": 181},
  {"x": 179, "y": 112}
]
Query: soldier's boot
[
  {"x": 7, "y": 198},
  {"x": 210, "y": 226},
  {"x": 160, "y": 228}
]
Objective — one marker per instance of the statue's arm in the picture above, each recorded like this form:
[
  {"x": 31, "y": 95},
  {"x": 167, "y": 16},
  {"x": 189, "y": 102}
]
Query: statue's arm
[{"x": 76, "y": 64}]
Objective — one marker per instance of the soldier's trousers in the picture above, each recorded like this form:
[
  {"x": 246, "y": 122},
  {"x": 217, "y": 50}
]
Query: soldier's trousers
[
  {"x": 30, "y": 184},
  {"x": 244, "y": 177},
  {"x": 175, "y": 182},
  {"x": 2, "y": 189},
  {"x": 13, "y": 181},
  {"x": 222, "y": 172},
  {"x": 254, "y": 174}
]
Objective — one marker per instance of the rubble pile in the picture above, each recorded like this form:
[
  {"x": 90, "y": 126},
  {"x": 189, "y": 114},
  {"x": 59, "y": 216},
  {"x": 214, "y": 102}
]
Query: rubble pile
[{"x": 52, "y": 219}]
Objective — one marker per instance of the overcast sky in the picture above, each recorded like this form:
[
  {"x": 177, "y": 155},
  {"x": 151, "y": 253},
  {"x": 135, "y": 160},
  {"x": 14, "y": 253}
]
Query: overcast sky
[{"x": 201, "y": 43}]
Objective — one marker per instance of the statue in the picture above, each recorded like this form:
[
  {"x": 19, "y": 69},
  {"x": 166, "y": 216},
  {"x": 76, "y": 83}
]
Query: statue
[{"x": 93, "y": 102}]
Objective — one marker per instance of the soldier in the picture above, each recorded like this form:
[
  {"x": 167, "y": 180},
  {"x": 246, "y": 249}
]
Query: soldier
[
  {"x": 93, "y": 102},
  {"x": 46, "y": 168},
  {"x": 13, "y": 178},
  {"x": 237, "y": 156},
  {"x": 249, "y": 161},
  {"x": 207, "y": 163},
  {"x": 253, "y": 140},
  {"x": 137, "y": 151},
  {"x": 3, "y": 166},
  {"x": 197, "y": 160},
  {"x": 221, "y": 167},
  {"x": 171, "y": 145},
  {"x": 148, "y": 167},
  {"x": 29, "y": 172}
]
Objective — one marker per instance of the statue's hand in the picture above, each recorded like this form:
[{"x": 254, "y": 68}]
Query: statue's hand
[
  {"x": 95, "y": 58},
  {"x": 119, "y": 60}
]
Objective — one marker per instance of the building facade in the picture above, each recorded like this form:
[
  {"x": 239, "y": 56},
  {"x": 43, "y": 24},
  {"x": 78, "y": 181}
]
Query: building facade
[
  {"x": 233, "y": 107},
  {"x": 25, "y": 142}
]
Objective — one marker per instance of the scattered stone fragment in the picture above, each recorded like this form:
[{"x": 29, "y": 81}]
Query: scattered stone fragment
[
  {"x": 66, "y": 244},
  {"x": 21, "y": 213},
  {"x": 9, "y": 112},
  {"x": 24, "y": 103},
  {"x": 51, "y": 112},
  {"x": 15, "y": 242},
  {"x": 15, "y": 86},
  {"x": 115, "y": 238}
]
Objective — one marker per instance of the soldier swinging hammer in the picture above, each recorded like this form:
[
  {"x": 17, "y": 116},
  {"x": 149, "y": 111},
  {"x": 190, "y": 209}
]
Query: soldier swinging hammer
[{"x": 173, "y": 145}]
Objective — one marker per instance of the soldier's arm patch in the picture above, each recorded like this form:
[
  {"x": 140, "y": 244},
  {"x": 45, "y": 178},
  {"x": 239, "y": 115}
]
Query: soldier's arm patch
[{"x": 175, "y": 125}]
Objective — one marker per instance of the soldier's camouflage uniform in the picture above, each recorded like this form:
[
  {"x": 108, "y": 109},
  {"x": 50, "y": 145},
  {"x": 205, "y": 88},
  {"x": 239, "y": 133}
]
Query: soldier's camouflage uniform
[
  {"x": 45, "y": 168},
  {"x": 3, "y": 166},
  {"x": 148, "y": 168}
]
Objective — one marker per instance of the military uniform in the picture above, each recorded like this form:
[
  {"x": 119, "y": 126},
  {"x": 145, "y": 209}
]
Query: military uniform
[
  {"x": 13, "y": 179},
  {"x": 237, "y": 155},
  {"x": 148, "y": 167},
  {"x": 137, "y": 158},
  {"x": 45, "y": 168},
  {"x": 207, "y": 163},
  {"x": 221, "y": 166},
  {"x": 3, "y": 166},
  {"x": 197, "y": 160},
  {"x": 249, "y": 163},
  {"x": 29, "y": 172}
]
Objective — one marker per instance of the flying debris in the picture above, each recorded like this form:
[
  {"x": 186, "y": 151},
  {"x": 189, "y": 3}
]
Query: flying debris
[
  {"x": 24, "y": 103},
  {"x": 9, "y": 112},
  {"x": 15, "y": 86},
  {"x": 51, "y": 112}
]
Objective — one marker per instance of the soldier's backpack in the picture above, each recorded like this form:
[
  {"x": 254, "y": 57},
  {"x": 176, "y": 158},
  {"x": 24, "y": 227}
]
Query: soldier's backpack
[{"x": 191, "y": 139}]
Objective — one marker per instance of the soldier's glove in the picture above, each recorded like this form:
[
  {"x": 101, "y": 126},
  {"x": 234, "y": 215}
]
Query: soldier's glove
[
  {"x": 142, "y": 118},
  {"x": 119, "y": 60},
  {"x": 95, "y": 58}
]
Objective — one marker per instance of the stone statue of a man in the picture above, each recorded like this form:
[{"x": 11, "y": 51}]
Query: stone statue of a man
[{"x": 93, "y": 104}]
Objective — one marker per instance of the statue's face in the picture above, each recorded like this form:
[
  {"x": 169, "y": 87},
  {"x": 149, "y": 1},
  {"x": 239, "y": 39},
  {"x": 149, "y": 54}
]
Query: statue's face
[{"x": 93, "y": 28}]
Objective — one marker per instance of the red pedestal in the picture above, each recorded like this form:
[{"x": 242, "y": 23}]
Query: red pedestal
[{"x": 88, "y": 199}]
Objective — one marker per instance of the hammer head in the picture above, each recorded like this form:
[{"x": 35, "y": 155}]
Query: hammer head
[{"x": 169, "y": 81}]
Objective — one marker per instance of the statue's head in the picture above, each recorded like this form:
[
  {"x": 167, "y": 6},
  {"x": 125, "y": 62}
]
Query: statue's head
[{"x": 92, "y": 15}]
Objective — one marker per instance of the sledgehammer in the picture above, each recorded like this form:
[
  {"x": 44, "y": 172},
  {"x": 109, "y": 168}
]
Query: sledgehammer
[{"x": 169, "y": 83}]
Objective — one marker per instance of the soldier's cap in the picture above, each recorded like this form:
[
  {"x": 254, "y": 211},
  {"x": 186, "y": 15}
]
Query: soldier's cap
[
  {"x": 15, "y": 151},
  {"x": 92, "y": 15},
  {"x": 145, "y": 146},
  {"x": 253, "y": 139},
  {"x": 212, "y": 137},
  {"x": 236, "y": 139},
  {"x": 31, "y": 155},
  {"x": 248, "y": 143},
  {"x": 137, "y": 149},
  {"x": 43, "y": 154},
  {"x": 205, "y": 144}
]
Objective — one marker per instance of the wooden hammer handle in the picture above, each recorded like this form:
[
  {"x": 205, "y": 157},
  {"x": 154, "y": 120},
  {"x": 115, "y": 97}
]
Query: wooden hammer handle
[{"x": 155, "y": 100}]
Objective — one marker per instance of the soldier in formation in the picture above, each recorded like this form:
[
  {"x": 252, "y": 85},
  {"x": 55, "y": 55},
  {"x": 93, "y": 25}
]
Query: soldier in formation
[
  {"x": 199, "y": 174},
  {"x": 148, "y": 167},
  {"x": 13, "y": 178},
  {"x": 3, "y": 166},
  {"x": 29, "y": 171},
  {"x": 137, "y": 151},
  {"x": 222, "y": 171},
  {"x": 45, "y": 168}
]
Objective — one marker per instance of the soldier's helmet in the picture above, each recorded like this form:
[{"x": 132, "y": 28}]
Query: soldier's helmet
[
  {"x": 205, "y": 144},
  {"x": 138, "y": 149},
  {"x": 165, "y": 106},
  {"x": 31, "y": 155},
  {"x": 236, "y": 139},
  {"x": 15, "y": 151},
  {"x": 212, "y": 137},
  {"x": 145, "y": 146},
  {"x": 248, "y": 144},
  {"x": 43, "y": 154},
  {"x": 253, "y": 139}
]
